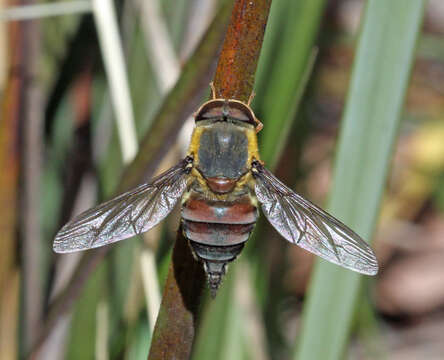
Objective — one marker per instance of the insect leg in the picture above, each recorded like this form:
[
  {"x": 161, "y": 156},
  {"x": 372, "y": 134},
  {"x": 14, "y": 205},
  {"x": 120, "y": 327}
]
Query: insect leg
[{"x": 213, "y": 91}]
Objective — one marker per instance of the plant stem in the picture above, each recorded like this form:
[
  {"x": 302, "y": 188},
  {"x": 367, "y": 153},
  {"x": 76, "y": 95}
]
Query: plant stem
[
  {"x": 176, "y": 324},
  {"x": 10, "y": 108},
  {"x": 234, "y": 78}
]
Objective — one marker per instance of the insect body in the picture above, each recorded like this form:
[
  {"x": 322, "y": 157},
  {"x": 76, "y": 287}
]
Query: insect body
[
  {"x": 221, "y": 182},
  {"x": 219, "y": 210}
]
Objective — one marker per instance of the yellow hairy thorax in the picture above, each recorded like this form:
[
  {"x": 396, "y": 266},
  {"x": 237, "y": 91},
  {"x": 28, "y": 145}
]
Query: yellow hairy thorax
[{"x": 246, "y": 180}]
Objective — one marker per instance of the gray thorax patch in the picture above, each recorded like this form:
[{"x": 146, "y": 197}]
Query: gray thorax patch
[{"x": 223, "y": 151}]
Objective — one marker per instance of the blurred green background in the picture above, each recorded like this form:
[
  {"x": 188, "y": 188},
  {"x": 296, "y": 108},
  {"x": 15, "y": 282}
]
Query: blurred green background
[{"x": 350, "y": 93}]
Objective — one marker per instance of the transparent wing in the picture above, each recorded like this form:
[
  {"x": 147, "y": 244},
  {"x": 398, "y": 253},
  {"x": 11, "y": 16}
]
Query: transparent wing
[
  {"x": 304, "y": 224},
  {"x": 131, "y": 213}
]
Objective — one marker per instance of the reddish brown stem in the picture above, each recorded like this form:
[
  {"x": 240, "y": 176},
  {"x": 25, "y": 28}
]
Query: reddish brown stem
[
  {"x": 10, "y": 107},
  {"x": 176, "y": 324},
  {"x": 234, "y": 78}
]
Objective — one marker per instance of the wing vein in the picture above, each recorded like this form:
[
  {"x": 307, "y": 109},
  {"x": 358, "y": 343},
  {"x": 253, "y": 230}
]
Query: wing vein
[{"x": 318, "y": 232}]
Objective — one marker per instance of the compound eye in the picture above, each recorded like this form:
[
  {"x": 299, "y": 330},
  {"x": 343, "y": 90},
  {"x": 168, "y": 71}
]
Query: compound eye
[
  {"x": 211, "y": 110},
  {"x": 239, "y": 115},
  {"x": 210, "y": 114}
]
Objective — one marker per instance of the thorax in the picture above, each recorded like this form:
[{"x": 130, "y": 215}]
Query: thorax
[{"x": 222, "y": 153}]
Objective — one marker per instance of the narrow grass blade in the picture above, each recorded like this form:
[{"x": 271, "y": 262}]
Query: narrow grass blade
[
  {"x": 112, "y": 51},
  {"x": 378, "y": 85},
  {"x": 32, "y": 247},
  {"x": 217, "y": 323},
  {"x": 82, "y": 342},
  {"x": 278, "y": 98},
  {"x": 138, "y": 347},
  {"x": 159, "y": 44},
  {"x": 286, "y": 85},
  {"x": 37, "y": 11}
]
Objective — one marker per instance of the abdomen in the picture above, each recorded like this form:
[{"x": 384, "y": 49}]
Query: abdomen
[{"x": 217, "y": 230}]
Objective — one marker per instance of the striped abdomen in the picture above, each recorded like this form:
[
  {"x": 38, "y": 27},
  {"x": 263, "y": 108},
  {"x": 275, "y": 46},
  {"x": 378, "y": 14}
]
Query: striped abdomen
[{"x": 217, "y": 231}]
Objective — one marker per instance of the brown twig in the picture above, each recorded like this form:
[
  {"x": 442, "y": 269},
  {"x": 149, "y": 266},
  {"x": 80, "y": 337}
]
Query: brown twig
[
  {"x": 234, "y": 78},
  {"x": 176, "y": 324},
  {"x": 182, "y": 100},
  {"x": 10, "y": 107}
]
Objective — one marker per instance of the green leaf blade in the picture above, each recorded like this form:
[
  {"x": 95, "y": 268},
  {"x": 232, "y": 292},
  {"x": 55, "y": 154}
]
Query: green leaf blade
[{"x": 370, "y": 122}]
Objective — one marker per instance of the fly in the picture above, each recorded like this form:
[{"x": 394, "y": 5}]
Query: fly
[{"x": 221, "y": 184}]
